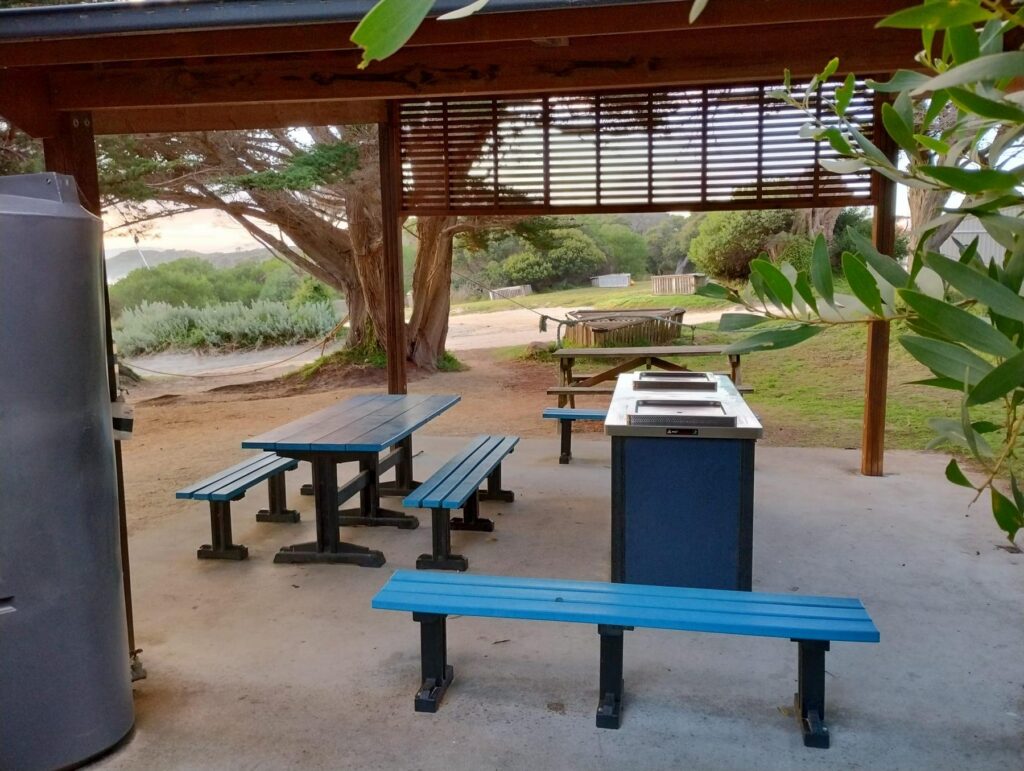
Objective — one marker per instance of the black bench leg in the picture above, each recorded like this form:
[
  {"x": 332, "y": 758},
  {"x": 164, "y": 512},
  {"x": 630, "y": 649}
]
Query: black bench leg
[
  {"x": 437, "y": 673},
  {"x": 609, "y": 705},
  {"x": 442, "y": 557},
  {"x": 220, "y": 546},
  {"x": 810, "y": 696},
  {"x": 565, "y": 427},
  {"x": 494, "y": 491},
  {"x": 277, "y": 495},
  {"x": 471, "y": 519}
]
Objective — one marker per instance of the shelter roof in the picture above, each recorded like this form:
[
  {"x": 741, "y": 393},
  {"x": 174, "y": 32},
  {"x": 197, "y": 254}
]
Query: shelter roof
[{"x": 171, "y": 65}]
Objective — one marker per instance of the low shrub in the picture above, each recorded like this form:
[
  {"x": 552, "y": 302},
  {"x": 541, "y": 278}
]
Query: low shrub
[{"x": 156, "y": 327}]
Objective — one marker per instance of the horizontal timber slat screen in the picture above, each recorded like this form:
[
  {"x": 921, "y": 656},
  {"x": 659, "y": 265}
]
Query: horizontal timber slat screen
[{"x": 696, "y": 148}]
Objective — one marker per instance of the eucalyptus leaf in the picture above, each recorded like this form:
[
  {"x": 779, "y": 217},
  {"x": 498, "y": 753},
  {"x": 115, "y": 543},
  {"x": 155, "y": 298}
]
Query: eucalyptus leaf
[
  {"x": 1007, "y": 514},
  {"x": 844, "y": 94},
  {"x": 1005, "y": 378},
  {"x": 775, "y": 281},
  {"x": 897, "y": 128},
  {"x": 841, "y": 165},
  {"x": 938, "y": 14},
  {"x": 821, "y": 269},
  {"x": 947, "y": 360},
  {"x": 958, "y": 325},
  {"x": 955, "y": 475},
  {"x": 963, "y": 43},
  {"x": 983, "y": 69},
  {"x": 774, "y": 339},
  {"x": 901, "y": 81},
  {"x": 731, "y": 322},
  {"x": 972, "y": 180},
  {"x": 388, "y": 26},
  {"x": 986, "y": 108},
  {"x": 862, "y": 284},
  {"x": 717, "y": 291},
  {"x": 886, "y": 266},
  {"x": 972, "y": 283}
]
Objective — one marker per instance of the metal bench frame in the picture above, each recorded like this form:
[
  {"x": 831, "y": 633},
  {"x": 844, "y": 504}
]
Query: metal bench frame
[
  {"x": 221, "y": 544},
  {"x": 441, "y": 557}
]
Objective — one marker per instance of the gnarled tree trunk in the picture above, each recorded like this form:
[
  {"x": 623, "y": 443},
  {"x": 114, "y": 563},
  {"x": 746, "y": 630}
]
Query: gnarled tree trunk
[{"x": 431, "y": 300}]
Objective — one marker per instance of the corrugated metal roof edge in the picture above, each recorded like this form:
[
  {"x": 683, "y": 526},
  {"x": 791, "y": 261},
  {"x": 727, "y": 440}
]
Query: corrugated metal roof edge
[{"x": 124, "y": 18}]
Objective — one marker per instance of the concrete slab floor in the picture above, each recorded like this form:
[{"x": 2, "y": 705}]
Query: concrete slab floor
[{"x": 261, "y": 666}]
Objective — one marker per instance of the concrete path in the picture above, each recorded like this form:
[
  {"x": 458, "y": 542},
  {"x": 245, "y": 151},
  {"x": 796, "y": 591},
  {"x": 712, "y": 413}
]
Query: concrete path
[{"x": 264, "y": 666}]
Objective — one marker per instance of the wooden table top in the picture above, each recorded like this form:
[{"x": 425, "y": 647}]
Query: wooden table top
[
  {"x": 370, "y": 423},
  {"x": 652, "y": 350}
]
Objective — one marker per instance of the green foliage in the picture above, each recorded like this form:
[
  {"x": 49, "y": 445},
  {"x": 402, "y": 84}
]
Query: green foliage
[
  {"x": 526, "y": 268},
  {"x": 321, "y": 165},
  {"x": 664, "y": 249},
  {"x": 310, "y": 291},
  {"x": 366, "y": 355},
  {"x": 575, "y": 258},
  {"x": 154, "y": 327},
  {"x": 197, "y": 283},
  {"x": 796, "y": 252},
  {"x": 447, "y": 362},
  {"x": 625, "y": 249},
  {"x": 966, "y": 317},
  {"x": 726, "y": 242}
]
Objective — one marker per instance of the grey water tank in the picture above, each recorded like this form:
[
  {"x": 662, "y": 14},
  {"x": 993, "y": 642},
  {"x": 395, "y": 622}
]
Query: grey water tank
[{"x": 65, "y": 688}]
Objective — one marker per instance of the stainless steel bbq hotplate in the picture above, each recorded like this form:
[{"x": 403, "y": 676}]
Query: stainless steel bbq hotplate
[
  {"x": 675, "y": 381},
  {"x": 679, "y": 412}
]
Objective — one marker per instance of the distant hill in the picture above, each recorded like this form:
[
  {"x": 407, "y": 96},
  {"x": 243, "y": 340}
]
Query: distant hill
[{"x": 123, "y": 263}]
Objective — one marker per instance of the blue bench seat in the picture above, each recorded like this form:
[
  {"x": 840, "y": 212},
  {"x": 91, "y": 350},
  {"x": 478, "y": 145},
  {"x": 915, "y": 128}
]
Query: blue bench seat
[
  {"x": 456, "y": 485},
  {"x": 231, "y": 484},
  {"x": 565, "y": 417},
  {"x": 812, "y": 622}
]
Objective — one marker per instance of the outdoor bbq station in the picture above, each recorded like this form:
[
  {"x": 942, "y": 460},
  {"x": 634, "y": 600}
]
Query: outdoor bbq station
[{"x": 663, "y": 105}]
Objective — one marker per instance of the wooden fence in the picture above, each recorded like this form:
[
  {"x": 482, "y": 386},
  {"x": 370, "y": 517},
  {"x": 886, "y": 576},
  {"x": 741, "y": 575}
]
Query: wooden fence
[
  {"x": 603, "y": 329},
  {"x": 680, "y": 283}
]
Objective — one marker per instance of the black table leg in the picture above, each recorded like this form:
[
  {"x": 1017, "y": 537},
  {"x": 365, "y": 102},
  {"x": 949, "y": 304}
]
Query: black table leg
[
  {"x": 277, "y": 505},
  {"x": 369, "y": 513},
  {"x": 404, "y": 483},
  {"x": 328, "y": 548}
]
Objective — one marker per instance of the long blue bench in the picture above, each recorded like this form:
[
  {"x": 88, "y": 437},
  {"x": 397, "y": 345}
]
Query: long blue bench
[
  {"x": 812, "y": 622},
  {"x": 566, "y": 416},
  {"x": 230, "y": 485},
  {"x": 456, "y": 485}
]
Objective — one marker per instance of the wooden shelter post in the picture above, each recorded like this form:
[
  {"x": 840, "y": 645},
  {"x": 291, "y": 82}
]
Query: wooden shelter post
[
  {"x": 72, "y": 150},
  {"x": 391, "y": 224},
  {"x": 877, "y": 366}
]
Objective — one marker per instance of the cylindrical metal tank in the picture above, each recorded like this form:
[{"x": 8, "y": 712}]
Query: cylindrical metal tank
[{"x": 65, "y": 687}]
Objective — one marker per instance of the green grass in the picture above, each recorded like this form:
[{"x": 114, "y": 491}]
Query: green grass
[
  {"x": 812, "y": 394},
  {"x": 636, "y": 296}
]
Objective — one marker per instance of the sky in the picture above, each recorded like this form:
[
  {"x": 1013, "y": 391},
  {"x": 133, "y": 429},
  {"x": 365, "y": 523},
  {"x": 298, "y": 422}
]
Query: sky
[{"x": 200, "y": 231}]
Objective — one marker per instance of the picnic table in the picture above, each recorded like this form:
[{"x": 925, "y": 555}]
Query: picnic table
[
  {"x": 358, "y": 430},
  {"x": 626, "y": 360}
]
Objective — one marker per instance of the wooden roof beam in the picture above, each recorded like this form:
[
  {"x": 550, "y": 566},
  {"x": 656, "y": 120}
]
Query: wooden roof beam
[
  {"x": 481, "y": 28},
  {"x": 154, "y": 120},
  {"x": 649, "y": 60}
]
